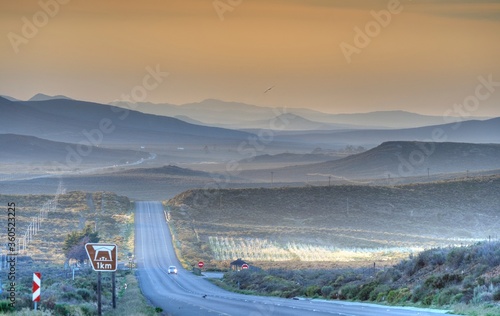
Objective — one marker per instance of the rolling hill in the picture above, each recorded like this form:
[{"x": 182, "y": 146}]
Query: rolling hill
[
  {"x": 17, "y": 149},
  {"x": 473, "y": 131},
  {"x": 339, "y": 216},
  {"x": 76, "y": 121},
  {"x": 395, "y": 159},
  {"x": 44, "y": 97},
  {"x": 290, "y": 122},
  {"x": 218, "y": 113},
  {"x": 148, "y": 183}
]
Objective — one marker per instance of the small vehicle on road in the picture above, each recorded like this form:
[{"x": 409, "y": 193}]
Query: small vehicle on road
[{"x": 172, "y": 270}]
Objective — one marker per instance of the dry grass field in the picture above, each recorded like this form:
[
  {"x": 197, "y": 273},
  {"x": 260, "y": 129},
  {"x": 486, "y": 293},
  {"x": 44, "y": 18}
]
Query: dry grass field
[
  {"x": 345, "y": 224},
  {"x": 109, "y": 213}
]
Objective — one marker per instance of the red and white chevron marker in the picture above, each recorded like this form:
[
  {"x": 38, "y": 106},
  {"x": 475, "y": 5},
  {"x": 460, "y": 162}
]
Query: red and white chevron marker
[{"x": 37, "y": 281}]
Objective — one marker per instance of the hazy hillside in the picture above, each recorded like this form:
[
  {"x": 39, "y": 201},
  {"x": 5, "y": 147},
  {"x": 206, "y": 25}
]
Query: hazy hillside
[
  {"x": 290, "y": 122},
  {"x": 189, "y": 120},
  {"x": 448, "y": 209},
  {"x": 221, "y": 113},
  {"x": 210, "y": 111},
  {"x": 391, "y": 119},
  {"x": 140, "y": 183},
  {"x": 33, "y": 150},
  {"x": 44, "y": 97},
  {"x": 474, "y": 131},
  {"x": 343, "y": 218},
  {"x": 73, "y": 121},
  {"x": 165, "y": 171},
  {"x": 397, "y": 159},
  {"x": 8, "y": 98},
  {"x": 290, "y": 158}
]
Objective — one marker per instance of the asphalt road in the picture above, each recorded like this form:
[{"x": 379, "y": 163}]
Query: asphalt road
[{"x": 181, "y": 294}]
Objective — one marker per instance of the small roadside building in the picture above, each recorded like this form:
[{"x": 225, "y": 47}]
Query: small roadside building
[{"x": 236, "y": 264}]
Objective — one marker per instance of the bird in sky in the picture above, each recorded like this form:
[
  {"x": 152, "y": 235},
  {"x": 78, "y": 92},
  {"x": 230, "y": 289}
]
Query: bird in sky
[{"x": 268, "y": 89}]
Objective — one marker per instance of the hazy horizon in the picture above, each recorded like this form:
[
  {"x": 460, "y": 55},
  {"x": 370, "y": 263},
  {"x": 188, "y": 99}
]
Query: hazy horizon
[{"x": 424, "y": 57}]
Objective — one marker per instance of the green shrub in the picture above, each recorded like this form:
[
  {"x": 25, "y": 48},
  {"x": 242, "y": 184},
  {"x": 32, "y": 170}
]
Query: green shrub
[
  {"x": 446, "y": 296},
  {"x": 366, "y": 289},
  {"x": 86, "y": 294},
  {"x": 427, "y": 300},
  {"x": 419, "y": 293},
  {"x": 5, "y": 307},
  {"x": 398, "y": 296},
  {"x": 326, "y": 291},
  {"x": 348, "y": 291},
  {"x": 440, "y": 282},
  {"x": 381, "y": 296},
  {"x": 496, "y": 295},
  {"x": 495, "y": 280},
  {"x": 88, "y": 309},
  {"x": 71, "y": 296},
  {"x": 379, "y": 292},
  {"x": 456, "y": 257},
  {"x": 481, "y": 295},
  {"x": 339, "y": 281},
  {"x": 312, "y": 290},
  {"x": 62, "y": 310}
]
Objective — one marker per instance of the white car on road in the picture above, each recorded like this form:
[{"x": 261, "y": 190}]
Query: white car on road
[{"x": 172, "y": 269}]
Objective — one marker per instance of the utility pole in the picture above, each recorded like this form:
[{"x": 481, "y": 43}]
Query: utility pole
[{"x": 428, "y": 173}]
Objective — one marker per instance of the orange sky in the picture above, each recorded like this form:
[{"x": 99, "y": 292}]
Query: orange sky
[{"x": 426, "y": 59}]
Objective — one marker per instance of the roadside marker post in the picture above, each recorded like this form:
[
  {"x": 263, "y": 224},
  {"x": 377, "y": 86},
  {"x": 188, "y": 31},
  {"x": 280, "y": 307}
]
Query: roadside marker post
[{"x": 37, "y": 282}]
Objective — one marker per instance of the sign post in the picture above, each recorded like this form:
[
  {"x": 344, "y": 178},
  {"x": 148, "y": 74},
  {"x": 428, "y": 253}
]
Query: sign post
[
  {"x": 99, "y": 310},
  {"x": 103, "y": 258},
  {"x": 37, "y": 282},
  {"x": 201, "y": 264},
  {"x": 244, "y": 266}
]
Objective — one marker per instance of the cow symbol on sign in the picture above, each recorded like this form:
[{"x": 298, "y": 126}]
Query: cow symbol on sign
[
  {"x": 107, "y": 251},
  {"x": 102, "y": 256}
]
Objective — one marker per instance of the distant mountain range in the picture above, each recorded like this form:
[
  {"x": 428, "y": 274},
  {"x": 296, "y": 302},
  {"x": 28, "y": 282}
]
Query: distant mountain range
[
  {"x": 9, "y": 98},
  {"x": 487, "y": 131},
  {"x": 395, "y": 159},
  {"x": 72, "y": 121},
  {"x": 44, "y": 97},
  {"x": 78, "y": 121},
  {"x": 238, "y": 115}
]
